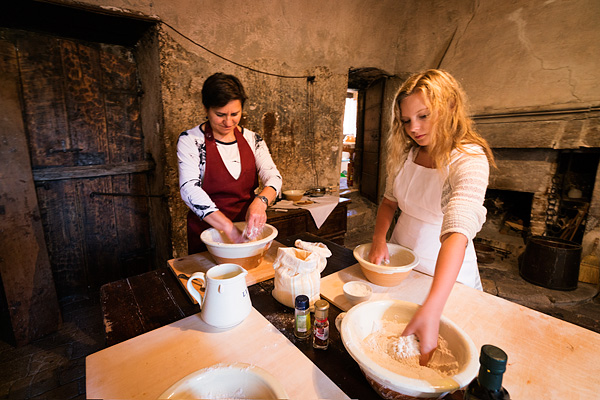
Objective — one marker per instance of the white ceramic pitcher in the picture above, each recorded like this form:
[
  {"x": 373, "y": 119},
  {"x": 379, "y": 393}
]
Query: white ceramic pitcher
[{"x": 226, "y": 300}]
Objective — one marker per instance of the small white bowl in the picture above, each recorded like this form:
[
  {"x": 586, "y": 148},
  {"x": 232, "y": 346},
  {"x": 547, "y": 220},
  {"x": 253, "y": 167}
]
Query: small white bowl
[
  {"x": 357, "y": 292},
  {"x": 227, "y": 381},
  {"x": 293, "y": 195}
]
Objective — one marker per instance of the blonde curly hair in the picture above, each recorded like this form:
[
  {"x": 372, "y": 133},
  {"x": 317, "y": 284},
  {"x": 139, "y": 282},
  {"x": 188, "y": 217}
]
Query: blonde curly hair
[{"x": 451, "y": 127}]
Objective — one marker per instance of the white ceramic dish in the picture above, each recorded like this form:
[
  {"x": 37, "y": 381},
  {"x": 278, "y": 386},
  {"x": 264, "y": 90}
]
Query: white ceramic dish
[
  {"x": 248, "y": 255},
  {"x": 357, "y": 292},
  {"x": 402, "y": 261},
  {"x": 293, "y": 195},
  {"x": 227, "y": 381},
  {"x": 360, "y": 321}
]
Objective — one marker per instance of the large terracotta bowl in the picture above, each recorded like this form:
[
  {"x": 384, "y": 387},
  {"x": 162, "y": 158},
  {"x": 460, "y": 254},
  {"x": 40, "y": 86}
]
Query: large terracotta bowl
[
  {"x": 362, "y": 319},
  {"x": 402, "y": 261},
  {"x": 248, "y": 255}
]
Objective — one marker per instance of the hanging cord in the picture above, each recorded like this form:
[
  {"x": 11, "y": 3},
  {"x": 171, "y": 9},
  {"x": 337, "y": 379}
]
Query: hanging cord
[
  {"x": 309, "y": 78},
  {"x": 311, "y": 131}
]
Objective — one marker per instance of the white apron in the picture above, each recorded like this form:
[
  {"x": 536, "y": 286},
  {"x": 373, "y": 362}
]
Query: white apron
[{"x": 418, "y": 191}]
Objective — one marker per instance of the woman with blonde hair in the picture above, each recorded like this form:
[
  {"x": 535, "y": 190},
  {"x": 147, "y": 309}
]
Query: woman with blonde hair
[{"x": 438, "y": 169}]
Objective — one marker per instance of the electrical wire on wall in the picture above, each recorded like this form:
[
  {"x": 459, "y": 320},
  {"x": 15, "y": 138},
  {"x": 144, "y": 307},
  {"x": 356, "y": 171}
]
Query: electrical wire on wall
[
  {"x": 310, "y": 79},
  {"x": 311, "y": 132}
]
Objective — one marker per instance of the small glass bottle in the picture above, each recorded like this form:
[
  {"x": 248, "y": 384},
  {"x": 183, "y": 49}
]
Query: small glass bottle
[
  {"x": 321, "y": 325},
  {"x": 302, "y": 317},
  {"x": 488, "y": 384}
]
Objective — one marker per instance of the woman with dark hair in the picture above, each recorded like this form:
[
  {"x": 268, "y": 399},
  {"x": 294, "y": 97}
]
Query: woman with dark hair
[{"x": 219, "y": 166}]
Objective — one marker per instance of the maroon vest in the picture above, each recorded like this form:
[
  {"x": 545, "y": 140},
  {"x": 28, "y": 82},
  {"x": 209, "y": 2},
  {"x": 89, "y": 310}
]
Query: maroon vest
[{"x": 232, "y": 196}]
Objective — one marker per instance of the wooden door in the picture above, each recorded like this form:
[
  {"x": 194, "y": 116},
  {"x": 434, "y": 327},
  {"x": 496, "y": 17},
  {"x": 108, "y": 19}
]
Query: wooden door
[
  {"x": 82, "y": 116},
  {"x": 371, "y": 138}
]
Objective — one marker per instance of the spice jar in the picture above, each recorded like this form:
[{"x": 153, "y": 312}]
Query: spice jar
[
  {"x": 302, "y": 317},
  {"x": 321, "y": 325}
]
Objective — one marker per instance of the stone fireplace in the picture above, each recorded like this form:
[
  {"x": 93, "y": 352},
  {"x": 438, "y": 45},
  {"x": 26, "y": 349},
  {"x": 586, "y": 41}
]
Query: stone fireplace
[{"x": 547, "y": 174}]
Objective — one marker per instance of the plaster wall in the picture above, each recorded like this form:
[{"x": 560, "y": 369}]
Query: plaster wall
[{"x": 510, "y": 56}]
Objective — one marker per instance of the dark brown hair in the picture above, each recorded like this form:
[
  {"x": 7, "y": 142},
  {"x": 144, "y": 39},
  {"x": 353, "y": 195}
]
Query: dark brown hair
[{"x": 219, "y": 89}]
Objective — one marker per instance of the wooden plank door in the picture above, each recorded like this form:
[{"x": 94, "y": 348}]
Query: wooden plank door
[
  {"x": 82, "y": 116},
  {"x": 371, "y": 138},
  {"x": 29, "y": 305}
]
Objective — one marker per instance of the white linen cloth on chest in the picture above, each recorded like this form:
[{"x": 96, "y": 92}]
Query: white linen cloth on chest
[{"x": 418, "y": 191}]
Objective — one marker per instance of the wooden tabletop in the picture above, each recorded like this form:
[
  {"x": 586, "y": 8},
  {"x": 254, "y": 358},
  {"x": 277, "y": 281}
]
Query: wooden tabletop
[
  {"x": 547, "y": 358},
  {"x": 144, "y": 303},
  {"x": 546, "y": 355}
]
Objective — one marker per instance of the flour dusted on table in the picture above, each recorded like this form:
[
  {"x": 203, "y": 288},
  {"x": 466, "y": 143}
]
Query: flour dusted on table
[{"x": 400, "y": 354}]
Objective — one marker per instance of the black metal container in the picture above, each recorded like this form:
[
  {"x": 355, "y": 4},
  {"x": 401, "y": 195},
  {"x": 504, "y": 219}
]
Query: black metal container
[{"x": 551, "y": 263}]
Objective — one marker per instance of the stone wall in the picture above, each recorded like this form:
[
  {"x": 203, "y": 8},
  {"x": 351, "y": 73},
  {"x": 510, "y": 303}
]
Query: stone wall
[{"x": 511, "y": 57}]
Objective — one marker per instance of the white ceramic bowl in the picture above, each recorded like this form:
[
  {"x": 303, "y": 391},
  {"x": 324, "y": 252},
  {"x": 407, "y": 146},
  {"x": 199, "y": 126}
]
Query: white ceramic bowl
[
  {"x": 248, "y": 255},
  {"x": 402, "y": 261},
  {"x": 293, "y": 195},
  {"x": 357, "y": 292},
  {"x": 359, "y": 322},
  {"x": 227, "y": 381}
]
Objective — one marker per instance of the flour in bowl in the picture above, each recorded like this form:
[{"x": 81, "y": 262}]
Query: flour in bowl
[{"x": 400, "y": 354}]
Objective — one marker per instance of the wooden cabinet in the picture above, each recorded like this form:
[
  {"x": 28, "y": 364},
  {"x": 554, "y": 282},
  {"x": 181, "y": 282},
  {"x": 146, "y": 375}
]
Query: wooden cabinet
[{"x": 299, "y": 220}]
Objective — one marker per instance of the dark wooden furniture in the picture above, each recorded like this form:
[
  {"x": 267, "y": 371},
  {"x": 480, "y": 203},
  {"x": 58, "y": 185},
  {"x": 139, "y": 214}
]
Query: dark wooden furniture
[{"x": 297, "y": 221}]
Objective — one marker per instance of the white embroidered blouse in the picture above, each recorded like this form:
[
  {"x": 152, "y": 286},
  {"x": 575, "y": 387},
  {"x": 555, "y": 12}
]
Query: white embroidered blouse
[{"x": 191, "y": 155}]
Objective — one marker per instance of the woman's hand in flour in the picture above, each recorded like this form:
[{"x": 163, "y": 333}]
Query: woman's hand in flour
[
  {"x": 379, "y": 253},
  {"x": 425, "y": 324}
]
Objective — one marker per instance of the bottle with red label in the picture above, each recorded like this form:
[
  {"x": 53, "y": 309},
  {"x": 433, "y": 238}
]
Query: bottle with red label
[{"x": 321, "y": 325}]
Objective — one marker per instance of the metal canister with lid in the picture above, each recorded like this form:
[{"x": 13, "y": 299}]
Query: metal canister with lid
[{"x": 321, "y": 325}]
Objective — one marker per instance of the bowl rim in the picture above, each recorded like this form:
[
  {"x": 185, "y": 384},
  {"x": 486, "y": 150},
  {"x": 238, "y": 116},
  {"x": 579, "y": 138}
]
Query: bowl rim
[
  {"x": 385, "y": 269},
  {"x": 294, "y": 192},
  {"x": 274, "y": 384},
  {"x": 205, "y": 236},
  {"x": 382, "y": 374}
]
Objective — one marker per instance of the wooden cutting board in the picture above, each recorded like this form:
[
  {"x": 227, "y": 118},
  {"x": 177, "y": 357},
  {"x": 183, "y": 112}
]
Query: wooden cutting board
[
  {"x": 331, "y": 287},
  {"x": 202, "y": 262},
  {"x": 147, "y": 365},
  {"x": 547, "y": 358}
]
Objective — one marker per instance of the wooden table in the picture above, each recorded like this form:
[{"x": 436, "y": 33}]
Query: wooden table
[
  {"x": 141, "y": 304},
  {"x": 548, "y": 358}
]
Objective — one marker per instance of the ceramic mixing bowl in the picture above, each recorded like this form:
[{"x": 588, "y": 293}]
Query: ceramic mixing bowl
[
  {"x": 362, "y": 320},
  {"x": 248, "y": 255},
  {"x": 402, "y": 261},
  {"x": 227, "y": 381}
]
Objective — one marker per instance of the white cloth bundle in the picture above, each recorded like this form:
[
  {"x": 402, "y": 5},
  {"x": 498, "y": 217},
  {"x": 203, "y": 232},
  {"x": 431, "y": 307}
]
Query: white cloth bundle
[{"x": 298, "y": 271}]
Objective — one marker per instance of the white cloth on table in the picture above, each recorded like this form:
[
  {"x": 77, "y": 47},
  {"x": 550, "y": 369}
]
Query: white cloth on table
[{"x": 319, "y": 209}]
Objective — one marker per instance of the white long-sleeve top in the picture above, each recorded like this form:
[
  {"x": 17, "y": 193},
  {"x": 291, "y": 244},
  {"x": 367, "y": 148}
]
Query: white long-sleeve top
[
  {"x": 463, "y": 192},
  {"x": 191, "y": 155}
]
